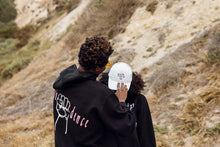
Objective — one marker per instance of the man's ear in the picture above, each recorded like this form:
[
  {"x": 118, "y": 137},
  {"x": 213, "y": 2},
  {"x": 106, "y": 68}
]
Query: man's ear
[{"x": 97, "y": 69}]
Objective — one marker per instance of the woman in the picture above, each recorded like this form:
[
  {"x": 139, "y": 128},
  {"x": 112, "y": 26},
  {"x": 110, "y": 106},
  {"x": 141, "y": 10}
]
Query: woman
[{"x": 122, "y": 73}]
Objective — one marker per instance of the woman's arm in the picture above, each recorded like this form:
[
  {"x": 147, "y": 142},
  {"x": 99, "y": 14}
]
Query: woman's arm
[{"x": 145, "y": 128}]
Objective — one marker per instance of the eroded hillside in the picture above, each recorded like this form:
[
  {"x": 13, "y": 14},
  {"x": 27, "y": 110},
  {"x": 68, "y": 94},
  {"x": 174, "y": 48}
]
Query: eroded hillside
[{"x": 173, "y": 44}]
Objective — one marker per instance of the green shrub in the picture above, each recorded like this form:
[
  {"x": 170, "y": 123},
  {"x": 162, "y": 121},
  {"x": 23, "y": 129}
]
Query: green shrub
[
  {"x": 99, "y": 3},
  {"x": 8, "y": 46},
  {"x": 8, "y": 30},
  {"x": 180, "y": 143},
  {"x": 7, "y": 50},
  {"x": 193, "y": 128},
  {"x": 149, "y": 49},
  {"x": 71, "y": 4},
  {"x": 21, "y": 60},
  {"x": 213, "y": 131},
  {"x": 213, "y": 55},
  {"x": 7, "y": 11},
  {"x": 152, "y": 7},
  {"x": 172, "y": 106},
  {"x": 16, "y": 65},
  {"x": 23, "y": 34},
  {"x": 161, "y": 130},
  {"x": 68, "y": 5}
]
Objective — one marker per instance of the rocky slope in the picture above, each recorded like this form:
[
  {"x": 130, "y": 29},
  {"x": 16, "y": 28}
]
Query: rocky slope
[{"x": 168, "y": 46}]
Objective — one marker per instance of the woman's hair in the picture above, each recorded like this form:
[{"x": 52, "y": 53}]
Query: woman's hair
[
  {"x": 94, "y": 52},
  {"x": 137, "y": 84}
]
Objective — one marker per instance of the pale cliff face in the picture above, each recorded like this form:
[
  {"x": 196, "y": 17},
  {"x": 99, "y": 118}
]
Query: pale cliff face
[
  {"x": 166, "y": 29},
  {"x": 33, "y": 11}
]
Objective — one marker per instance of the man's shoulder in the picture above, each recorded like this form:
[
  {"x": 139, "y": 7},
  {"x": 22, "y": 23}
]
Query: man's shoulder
[{"x": 98, "y": 86}]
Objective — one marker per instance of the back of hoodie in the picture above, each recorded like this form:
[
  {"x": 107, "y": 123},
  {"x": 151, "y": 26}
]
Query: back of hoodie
[{"x": 88, "y": 114}]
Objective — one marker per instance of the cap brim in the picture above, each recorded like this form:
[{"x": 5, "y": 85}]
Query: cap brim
[
  {"x": 113, "y": 84},
  {"x": 108, "y": 64}
]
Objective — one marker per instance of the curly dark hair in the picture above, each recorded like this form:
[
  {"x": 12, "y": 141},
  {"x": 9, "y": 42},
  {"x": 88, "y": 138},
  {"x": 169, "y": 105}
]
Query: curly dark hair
[
  {"x": 94, "y": 53},
  {"x": 137, "y": 83}
]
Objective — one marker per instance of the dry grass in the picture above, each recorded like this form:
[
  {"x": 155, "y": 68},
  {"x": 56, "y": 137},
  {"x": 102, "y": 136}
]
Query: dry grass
[
  {"x": 107, "y": 20},
  {"x": 193, "y": 119},
  {"x": 35, "y": 129}
]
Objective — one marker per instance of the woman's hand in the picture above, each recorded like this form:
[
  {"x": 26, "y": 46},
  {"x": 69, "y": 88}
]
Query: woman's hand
[{"x": 122, "y": 92}]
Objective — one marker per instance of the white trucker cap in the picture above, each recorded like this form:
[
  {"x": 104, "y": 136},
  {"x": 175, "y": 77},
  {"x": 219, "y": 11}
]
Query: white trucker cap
[{"x": 119, "y": 73}]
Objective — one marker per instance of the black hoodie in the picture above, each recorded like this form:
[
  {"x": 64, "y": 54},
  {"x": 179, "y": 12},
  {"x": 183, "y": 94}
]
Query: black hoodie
[
  {"x": 138, "y": 104},
  {"x": 88, "y": 114},
  {"x": 145, "y": 131}
]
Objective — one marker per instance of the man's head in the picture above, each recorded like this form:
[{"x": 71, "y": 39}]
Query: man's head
[{"x": 94, "y": 53}]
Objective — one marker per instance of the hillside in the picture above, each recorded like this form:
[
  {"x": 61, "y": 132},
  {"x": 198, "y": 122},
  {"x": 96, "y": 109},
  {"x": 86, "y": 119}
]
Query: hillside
[{"x": 175, "y": 45}]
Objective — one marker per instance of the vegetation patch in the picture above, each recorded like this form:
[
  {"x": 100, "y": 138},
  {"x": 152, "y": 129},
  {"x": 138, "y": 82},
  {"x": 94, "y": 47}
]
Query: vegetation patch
[
  {"x": 21, "y": 60},
  {"x": 180, "y": 143},
  {"x": 66, "y": 5},
  {"x": 166, "y": 75},
  {"x": 161, "y": 130},
  {"x": 213, "y": 55},
  {"x": 108, "y": 20},
  {"x": 99, "y": 3},
  {"x": 149, "y": 49},
  {"x": 172, "y": 106},
  {"x": 7, "y": 50},
  {"x": 213, "y": 131},
  {"x": 152, "y": 7},
  {"x": 7, "y": 11}
]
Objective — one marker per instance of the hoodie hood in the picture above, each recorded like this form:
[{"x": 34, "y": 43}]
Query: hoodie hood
[{"x": 71, "y": 75}]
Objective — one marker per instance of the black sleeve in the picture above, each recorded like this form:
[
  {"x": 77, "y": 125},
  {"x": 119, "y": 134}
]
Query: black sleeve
[
  {"x": 144, "y": 124},
  {"x": 117, "y": 117}
]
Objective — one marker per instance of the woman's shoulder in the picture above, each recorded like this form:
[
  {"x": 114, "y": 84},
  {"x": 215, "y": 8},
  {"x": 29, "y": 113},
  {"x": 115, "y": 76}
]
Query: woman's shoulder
[{"x": 140, "y": 97}]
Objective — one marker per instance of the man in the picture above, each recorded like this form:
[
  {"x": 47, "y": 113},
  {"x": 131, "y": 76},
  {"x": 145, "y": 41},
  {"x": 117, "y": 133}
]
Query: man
[{"x": 86, "y": 112}]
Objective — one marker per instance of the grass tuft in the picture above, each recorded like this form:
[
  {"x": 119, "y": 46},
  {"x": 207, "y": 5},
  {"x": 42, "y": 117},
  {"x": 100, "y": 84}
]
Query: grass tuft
[
  {"x": 152, "y": 7},
  {"x": 161, "y": 130},
  {"x": 213, "y": 131}
]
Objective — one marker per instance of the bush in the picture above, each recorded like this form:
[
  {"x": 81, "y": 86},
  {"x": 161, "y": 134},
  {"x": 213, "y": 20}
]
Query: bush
[
  {"x": 99, "y": 3},
  {"x": 7, "y": 11},
  {"x": 213, "y": 55},
  {"x": 8, "y": 31},
  {"x": 161, "y": 130},
  {"x": 23, "y": 34},
  {"x": 7, "y": 49},
  {"x": 152, "y": 7},
  {"x": 16, "y": 65},
  {"x": 68, "y": 5},
  {"x": 71, "y": 4},
  {"x": 8, "y": 46},
  {"x": 214, "y": 130},
  {"x": 21, "y": 60}
]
